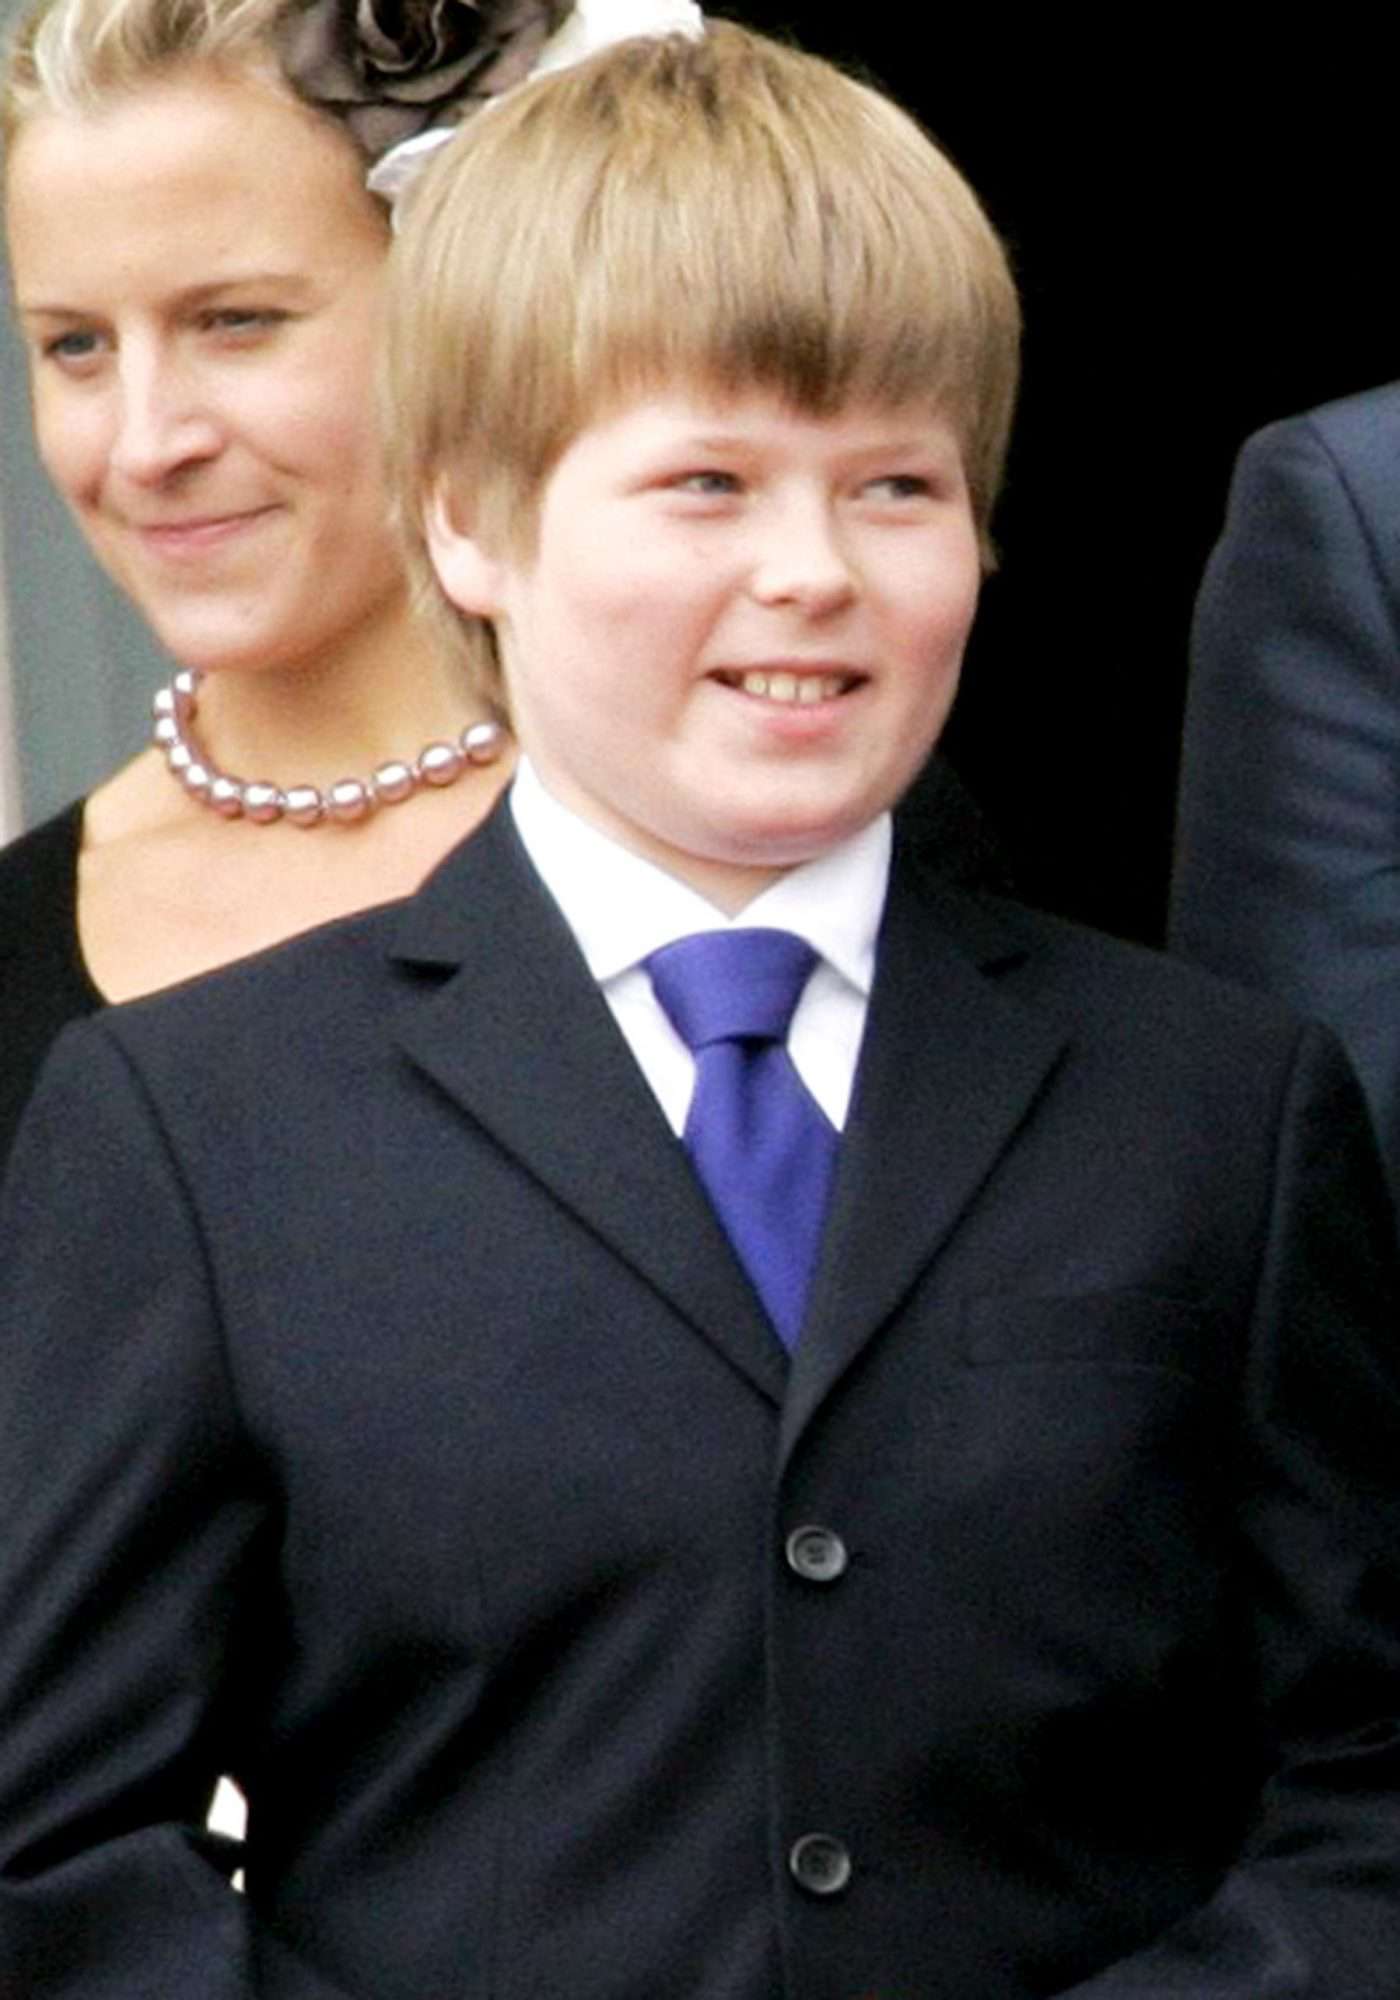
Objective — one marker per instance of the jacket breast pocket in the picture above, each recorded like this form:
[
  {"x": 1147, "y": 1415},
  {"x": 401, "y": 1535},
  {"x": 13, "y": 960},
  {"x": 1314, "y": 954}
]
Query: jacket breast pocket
[{"x": 1097, "y": 1432}]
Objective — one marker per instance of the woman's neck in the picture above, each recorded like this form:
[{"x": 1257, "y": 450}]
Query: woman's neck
[{"x": 315, "y": 721}]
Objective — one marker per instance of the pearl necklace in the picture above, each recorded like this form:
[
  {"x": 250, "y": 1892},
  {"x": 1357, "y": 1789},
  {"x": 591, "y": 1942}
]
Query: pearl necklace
[{"x": 348, "y": 800}]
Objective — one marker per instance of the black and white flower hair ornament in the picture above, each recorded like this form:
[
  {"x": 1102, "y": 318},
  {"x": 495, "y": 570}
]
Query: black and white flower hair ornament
[{"x": 402, "y": 74}]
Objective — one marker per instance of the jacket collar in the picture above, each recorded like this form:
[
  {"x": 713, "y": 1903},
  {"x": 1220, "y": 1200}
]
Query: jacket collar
[{"x": 495, "y": 1004}]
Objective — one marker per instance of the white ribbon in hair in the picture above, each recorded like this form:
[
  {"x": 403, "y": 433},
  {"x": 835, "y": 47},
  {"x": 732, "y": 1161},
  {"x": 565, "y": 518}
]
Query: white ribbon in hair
[{"x": 591, "y": 24}]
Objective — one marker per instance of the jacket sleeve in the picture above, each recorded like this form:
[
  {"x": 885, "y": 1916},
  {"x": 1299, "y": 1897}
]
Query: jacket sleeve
[
  {"x": 1287, "y": 871},
  {"x": 1309, "y": 1908},
  {"x": 133, "y": 1567}
]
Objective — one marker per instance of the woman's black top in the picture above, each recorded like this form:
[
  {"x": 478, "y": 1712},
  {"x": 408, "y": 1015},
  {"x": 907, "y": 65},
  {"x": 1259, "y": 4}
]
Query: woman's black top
[{"x": 43, "y": 981}]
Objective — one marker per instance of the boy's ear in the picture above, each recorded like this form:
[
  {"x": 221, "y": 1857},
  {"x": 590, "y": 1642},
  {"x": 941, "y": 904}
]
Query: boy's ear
[{"x": 470, "y": 578}]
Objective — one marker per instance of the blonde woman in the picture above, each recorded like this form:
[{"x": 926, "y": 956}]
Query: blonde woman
[{"x": 196, "y": 264}]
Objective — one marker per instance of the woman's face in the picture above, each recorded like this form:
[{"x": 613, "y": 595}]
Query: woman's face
[{"x": 197, "y": 270}]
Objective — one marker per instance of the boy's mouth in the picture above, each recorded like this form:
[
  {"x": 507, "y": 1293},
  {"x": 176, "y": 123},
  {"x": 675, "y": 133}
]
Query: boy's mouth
[{"x": 782, "y": 684}]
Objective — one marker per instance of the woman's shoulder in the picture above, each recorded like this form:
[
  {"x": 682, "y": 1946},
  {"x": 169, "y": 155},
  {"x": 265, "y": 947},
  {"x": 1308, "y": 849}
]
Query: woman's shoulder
[
  {"x": 39, "y": 876},
  {"x": 43, "y": 982}
]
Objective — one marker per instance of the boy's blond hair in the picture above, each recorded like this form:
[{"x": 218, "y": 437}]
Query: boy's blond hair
[{"x": 722, "y": 212}]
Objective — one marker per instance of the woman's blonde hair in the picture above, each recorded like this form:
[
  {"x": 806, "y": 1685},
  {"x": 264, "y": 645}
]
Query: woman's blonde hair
[
  {"x": 75, "y": 55},
  {"x": 720, "y": 211}
]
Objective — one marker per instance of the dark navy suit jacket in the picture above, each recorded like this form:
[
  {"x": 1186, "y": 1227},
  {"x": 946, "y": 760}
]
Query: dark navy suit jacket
[
  {"x": 1288, "y": 858},
  {"x": 384, "y": 1419}
]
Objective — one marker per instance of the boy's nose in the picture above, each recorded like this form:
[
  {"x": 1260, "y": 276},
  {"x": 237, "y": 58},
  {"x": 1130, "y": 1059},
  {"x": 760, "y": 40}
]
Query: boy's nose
[{"x": 804, "y": 561}]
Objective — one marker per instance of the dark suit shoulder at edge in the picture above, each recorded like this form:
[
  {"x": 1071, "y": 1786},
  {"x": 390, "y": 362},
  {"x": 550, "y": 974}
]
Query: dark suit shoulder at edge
[{"x": 1363, "y": 425}]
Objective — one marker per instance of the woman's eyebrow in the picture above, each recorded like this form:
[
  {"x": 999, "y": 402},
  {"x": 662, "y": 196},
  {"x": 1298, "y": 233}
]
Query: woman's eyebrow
[{"x": 293, "y": 285}]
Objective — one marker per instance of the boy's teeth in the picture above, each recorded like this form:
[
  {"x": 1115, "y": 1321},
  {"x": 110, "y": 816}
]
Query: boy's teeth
[{"x": 801, "y": 688}]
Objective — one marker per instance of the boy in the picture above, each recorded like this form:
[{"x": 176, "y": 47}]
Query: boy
[{"x": 627, "y": 1540}]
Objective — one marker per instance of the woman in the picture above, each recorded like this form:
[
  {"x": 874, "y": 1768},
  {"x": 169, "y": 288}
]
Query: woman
[{"x": 196, "y": 264}]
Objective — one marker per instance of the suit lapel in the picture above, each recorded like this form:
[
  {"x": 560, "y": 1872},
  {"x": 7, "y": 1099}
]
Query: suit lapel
[
  {"x": 950, "y": 1067},
  {"x": 497, "y": 1006}
]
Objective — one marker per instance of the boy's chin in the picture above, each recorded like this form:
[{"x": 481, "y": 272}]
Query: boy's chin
[
  {"x": 793, "y": 833},
  {"x": 732, "y": 865}
]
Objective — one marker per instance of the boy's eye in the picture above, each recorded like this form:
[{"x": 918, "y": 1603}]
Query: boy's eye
[
  {"x": 709, "y": 481},
  {"x": 900, "y": 486}
]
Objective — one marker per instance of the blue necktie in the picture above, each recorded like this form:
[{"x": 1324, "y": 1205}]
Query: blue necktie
[{"x": 756, "y": 1137}]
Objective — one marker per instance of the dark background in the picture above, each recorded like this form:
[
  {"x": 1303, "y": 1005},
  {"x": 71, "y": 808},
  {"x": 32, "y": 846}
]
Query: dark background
[{"x": 1205, "y": 239}]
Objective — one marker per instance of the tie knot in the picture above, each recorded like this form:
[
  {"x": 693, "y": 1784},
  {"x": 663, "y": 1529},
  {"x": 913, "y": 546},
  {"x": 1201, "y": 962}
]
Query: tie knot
[{"x": 731, "y": 985}]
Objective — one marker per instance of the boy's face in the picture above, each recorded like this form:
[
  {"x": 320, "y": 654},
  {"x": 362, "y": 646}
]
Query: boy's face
[{"x": 740, "y": 630}]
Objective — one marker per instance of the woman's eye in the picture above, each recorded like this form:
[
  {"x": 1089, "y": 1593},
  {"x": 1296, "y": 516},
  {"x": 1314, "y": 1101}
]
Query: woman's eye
[
  {"x": 75, "y": 345},
  {"x": 241, "y": 319}
]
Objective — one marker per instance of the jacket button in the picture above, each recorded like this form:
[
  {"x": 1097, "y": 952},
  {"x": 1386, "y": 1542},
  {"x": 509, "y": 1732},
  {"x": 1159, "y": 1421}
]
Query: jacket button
[
  {"x": 816, "y": 1554},
  {"x": 819, "y": 1864}
]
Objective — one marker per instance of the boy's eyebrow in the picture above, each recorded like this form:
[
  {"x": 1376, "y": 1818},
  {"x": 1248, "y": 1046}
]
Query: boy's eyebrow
[{"x": 710, "y": 439}]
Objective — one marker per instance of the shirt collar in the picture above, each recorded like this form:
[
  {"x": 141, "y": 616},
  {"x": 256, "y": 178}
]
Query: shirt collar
[{"x": 621, "y": 907}]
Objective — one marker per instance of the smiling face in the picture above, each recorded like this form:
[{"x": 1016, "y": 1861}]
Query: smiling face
[
  {"x": 739, "y": 629},
  {"x": 197, "y": 271}
]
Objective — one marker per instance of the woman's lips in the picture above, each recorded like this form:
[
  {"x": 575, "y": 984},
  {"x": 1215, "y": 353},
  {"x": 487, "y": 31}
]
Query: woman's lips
[{"x": 200, "y": 532}]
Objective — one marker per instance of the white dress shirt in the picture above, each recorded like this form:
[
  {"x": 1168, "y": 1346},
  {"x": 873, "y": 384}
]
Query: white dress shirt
[{"x": 621, "y": 908}]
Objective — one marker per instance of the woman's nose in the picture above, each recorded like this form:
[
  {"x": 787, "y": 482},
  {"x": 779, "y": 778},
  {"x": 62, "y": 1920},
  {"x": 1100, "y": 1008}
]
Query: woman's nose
[
  {"x": 804, "y": 560},
  {"x": 162, "y": 421}
]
